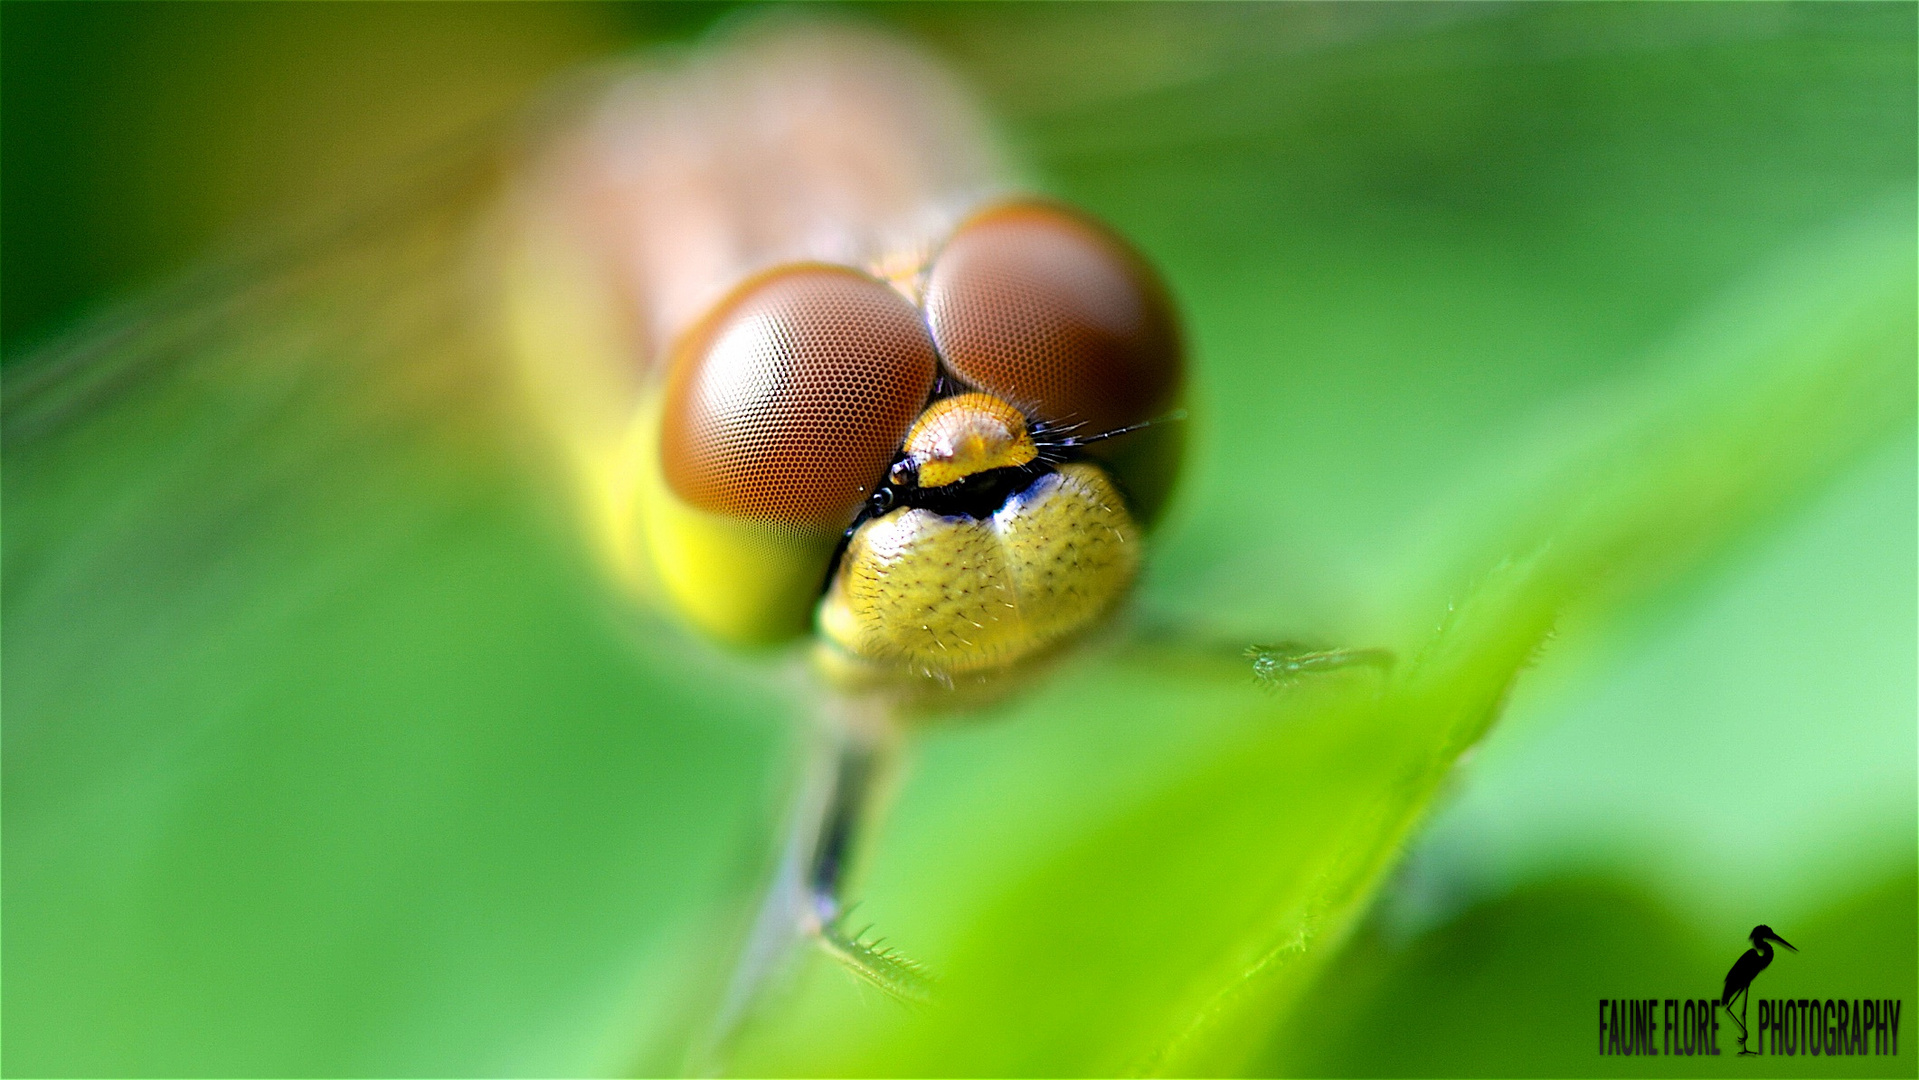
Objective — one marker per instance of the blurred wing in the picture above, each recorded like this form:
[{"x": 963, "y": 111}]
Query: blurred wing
[{"x": 314, "y": 713}]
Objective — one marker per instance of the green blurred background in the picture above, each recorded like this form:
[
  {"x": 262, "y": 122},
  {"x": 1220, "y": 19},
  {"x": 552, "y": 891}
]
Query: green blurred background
[{"x": 324, "y": 754}]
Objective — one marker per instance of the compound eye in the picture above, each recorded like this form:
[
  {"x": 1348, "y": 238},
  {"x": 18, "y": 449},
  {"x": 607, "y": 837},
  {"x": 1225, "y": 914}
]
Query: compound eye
[
  {"x": 788, "y": 402},
  {"x": 1051, "y": 311}
]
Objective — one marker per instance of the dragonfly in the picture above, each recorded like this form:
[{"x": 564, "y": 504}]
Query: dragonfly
[
  {"x": 822, "y": 373},
  {"x": 818, "y": 371}
]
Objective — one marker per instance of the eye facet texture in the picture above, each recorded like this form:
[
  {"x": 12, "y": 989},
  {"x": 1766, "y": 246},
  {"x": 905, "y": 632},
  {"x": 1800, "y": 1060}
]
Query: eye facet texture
[
  {"x": 1052, "y": 312},
  {"x": 787, "y": 403}
]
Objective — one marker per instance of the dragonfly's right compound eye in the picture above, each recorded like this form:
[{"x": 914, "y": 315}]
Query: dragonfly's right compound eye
[
  {"x": 787, "y": 404},
  {"x": 780, "y": 414}
]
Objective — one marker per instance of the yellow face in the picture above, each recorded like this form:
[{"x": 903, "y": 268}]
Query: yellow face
[{"x": 955, "y": 581}]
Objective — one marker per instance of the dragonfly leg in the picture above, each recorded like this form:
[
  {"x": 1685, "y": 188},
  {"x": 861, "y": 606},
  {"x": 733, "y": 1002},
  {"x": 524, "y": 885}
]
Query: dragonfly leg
[
  {"x": 865, "y": 766},
  {"x": 1278, "y": 665},
  {"x": 850, "y": 763},
  {"x": 856, "y": 775}
]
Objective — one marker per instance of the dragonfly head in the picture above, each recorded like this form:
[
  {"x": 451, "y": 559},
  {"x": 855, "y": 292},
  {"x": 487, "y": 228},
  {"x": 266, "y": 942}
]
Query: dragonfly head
[{"x": 940, "y": 488}]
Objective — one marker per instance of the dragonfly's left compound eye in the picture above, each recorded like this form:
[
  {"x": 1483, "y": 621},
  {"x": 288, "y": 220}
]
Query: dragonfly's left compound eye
[
  {"x": 1054, "y": 313},
  {"x": 788, "y": 404}
]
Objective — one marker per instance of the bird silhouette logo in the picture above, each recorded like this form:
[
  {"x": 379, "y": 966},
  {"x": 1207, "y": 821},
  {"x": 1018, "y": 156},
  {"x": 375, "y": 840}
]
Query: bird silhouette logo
[{"x": 1744, "y": 971}]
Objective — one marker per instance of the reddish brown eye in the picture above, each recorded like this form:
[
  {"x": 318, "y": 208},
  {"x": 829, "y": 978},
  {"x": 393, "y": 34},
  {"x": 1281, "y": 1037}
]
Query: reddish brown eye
[
  {"x": 1054, "y": 313},
  {"x": 788, "y": 402}
]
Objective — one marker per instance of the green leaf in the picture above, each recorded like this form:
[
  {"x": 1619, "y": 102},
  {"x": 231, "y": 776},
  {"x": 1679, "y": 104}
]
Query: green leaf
[{"x": 1169, "y": 934}]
